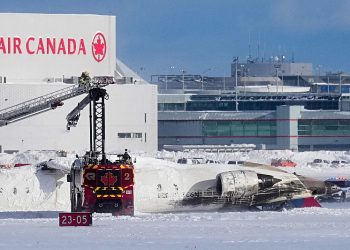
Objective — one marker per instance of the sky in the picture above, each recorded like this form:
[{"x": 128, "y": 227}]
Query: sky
[{"x": 203, "y": 36}]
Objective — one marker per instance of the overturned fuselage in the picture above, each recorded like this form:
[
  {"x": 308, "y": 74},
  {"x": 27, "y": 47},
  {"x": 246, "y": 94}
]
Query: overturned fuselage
[{"x": 217, "y": 186}]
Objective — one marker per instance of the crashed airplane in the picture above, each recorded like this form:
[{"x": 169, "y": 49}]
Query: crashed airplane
[{"x": 170, "y": 187}]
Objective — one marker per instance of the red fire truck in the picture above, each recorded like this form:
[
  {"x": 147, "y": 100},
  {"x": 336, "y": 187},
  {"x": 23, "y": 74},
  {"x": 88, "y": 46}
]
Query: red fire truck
[{"x": 96, "y": 183}]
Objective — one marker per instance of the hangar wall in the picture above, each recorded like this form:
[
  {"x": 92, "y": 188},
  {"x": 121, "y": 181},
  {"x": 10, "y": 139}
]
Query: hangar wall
[{"x": 38, "y": 46}]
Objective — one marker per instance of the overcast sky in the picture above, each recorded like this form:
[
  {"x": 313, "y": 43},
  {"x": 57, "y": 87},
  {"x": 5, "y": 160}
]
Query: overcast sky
[{"x": 202, "y": 36}]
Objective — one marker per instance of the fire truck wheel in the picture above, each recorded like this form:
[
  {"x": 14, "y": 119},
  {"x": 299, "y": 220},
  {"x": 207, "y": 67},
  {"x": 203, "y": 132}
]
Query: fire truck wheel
[
  {"x": 73, "y": 206},
  {"x": 79, "y": 202}
]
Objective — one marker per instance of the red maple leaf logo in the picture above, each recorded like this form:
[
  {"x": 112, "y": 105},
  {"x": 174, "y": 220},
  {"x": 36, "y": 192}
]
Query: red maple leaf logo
[
  {"x": 99, "y": 47},
  {"x": 108, "y": 179}
]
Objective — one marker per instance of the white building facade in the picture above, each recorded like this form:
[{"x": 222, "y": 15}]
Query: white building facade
[{"x": 38, "y": 51}]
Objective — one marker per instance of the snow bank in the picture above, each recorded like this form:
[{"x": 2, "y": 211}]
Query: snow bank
[
  {"x": 27, "y": 189},
  {"x": 37, "y": 196}
]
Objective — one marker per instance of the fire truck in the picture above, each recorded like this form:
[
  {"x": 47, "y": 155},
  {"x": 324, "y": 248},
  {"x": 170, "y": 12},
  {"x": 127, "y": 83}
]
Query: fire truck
[{"x": 96, "y": 183}]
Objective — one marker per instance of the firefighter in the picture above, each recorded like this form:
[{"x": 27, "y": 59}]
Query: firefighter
[
  {"x": 84, "y": 78},
  {"x": 77, "y": 164},
  {"x": 126, "y": 156}
]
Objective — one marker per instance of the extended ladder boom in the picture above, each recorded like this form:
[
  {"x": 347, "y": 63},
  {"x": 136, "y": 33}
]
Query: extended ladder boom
[
  {"x": 96, "y": 99},
  {"x": 51, "y": 101},
  {"x": 40, "y": 104}
]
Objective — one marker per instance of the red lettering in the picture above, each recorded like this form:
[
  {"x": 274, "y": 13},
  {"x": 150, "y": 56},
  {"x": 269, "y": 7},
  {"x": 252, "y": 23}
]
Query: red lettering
[
  {"x": 72, "y": 46},
  {"x": 17, "y": 45},
  {"x": 51, "y": 46},
  {"x": 82, "y": 47},
  {"x": 9, "y": 45},
  {"x": 30, "y": 52},
  {"x": 40, "y": 46},
  {"x": 2, "y": 45},
  {"x": 61, "y": 47}
]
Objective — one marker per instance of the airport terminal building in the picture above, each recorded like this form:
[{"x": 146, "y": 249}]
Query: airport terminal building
[
  {"x": 44, "y": 53},
  {"x": 288, "y": 127},
  {"x": 276, "y": 105}
]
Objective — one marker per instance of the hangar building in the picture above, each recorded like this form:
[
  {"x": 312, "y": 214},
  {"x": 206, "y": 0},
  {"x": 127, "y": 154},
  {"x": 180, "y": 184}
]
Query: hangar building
[{"x": 43, "y": 53}]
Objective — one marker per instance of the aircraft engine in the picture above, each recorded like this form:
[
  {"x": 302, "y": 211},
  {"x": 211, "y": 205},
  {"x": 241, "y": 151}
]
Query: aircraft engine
[
  {"x": 237, "y": 184},
  {"x": 242, "y": 183}
]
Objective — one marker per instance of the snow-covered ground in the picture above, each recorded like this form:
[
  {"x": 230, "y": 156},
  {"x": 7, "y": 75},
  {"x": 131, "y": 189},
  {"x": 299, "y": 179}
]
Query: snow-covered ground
[{"x": 30, "y": 201}]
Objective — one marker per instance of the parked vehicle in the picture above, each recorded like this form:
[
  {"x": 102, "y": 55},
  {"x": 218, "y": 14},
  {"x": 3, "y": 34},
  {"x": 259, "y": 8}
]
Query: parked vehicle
[
  {"x": 282, "y": 163},
  {"x": 236, "y": 162},
  {"x": 188, "y": 161},
  {"x": 318, "y": 163},
  {"x": 213, "y": 162},
  {"x": 339, "y": 163}
]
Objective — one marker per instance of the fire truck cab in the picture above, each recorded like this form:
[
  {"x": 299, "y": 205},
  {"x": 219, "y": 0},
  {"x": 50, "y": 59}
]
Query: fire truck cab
[{"x": 102, "y": 188}]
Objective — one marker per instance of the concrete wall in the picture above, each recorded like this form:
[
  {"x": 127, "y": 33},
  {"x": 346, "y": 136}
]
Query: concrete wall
[
  {"x": 26, "y": 54},
  {"x": 287, "y": 126},
  {"x": 133, "y": 108}
]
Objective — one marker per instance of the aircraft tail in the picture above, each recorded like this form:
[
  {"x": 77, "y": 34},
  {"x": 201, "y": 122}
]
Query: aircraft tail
[{"x": 305, "y": 202}]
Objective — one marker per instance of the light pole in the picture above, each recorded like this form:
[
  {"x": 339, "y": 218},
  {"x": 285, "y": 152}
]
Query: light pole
[
  {"x": 183, "y": 79},
  {"x": 224, "y": 81},
  {"x": 276, "y": 80},
  {"x": 277, "y": 67},
  {"x": 282, "y": 80},
  {"x": 202, "y": 76},
  {"x": 318, "y": 67},
  {"x": 235, "y": 60},
  {"x": 166, "y": 81},
  {"x": 166, "y": 76},
  {"x": 243, "y": 74}
]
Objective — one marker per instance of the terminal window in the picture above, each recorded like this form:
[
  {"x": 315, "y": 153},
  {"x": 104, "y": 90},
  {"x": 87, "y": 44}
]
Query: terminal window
[
  {"x": 239, "y": 128},
  {"x": 129, "y": 135},
  {"x": 324, "y": 127}
]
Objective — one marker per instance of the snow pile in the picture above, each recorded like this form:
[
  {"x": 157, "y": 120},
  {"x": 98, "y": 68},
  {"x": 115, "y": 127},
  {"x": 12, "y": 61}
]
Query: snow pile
[
  {"x": 25, "y": 189},
  {"x": 38, "y": 195},
  {"x": 259, "y": 156},
  {"x": 28, "y": 189}
]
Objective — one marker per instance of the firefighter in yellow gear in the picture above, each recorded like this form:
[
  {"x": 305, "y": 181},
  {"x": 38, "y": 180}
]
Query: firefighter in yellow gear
[{"x": 84, "y": 78}]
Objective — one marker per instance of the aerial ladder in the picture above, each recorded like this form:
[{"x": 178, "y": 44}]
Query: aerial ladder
[
  {"x": 40, "y": 104},
  {"x": 50, "y": 101}
]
